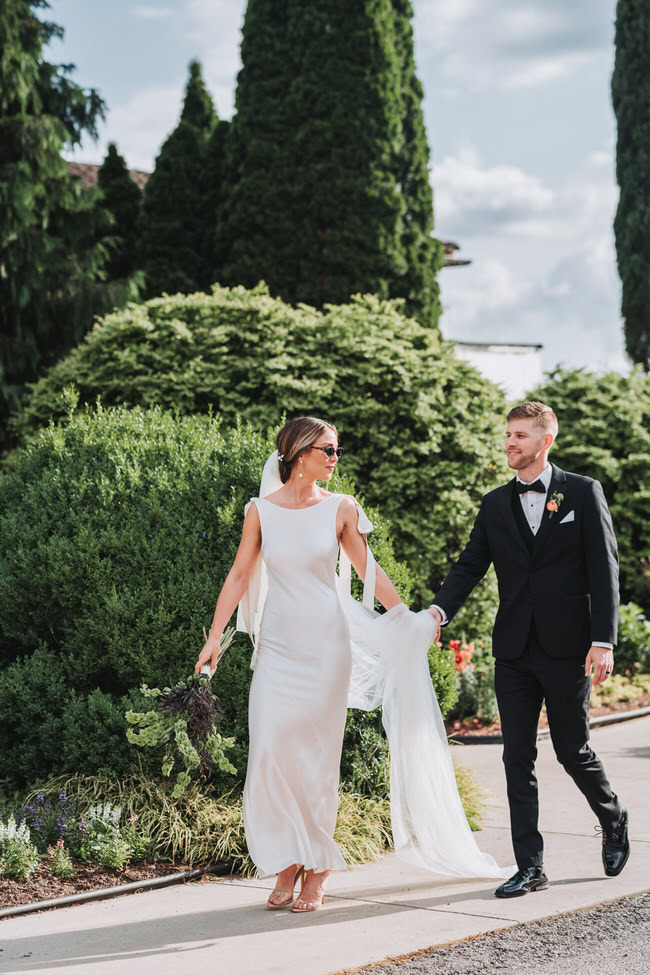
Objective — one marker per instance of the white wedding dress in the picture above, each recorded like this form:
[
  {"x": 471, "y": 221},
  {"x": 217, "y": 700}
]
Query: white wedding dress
[{"x": 318, "y": 651}]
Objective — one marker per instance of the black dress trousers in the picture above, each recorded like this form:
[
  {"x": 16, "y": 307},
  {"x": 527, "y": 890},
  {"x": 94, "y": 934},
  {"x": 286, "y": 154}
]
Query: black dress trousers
[{"x": 521, "y": 686}]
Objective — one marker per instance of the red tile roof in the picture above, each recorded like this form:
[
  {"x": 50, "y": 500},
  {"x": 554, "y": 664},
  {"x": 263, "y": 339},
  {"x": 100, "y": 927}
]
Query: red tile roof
[{"x": 87, "y": 173}]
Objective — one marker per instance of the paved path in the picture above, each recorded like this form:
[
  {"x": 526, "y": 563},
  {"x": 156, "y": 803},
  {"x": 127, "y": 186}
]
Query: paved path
[{"x": 386, "y": 909}]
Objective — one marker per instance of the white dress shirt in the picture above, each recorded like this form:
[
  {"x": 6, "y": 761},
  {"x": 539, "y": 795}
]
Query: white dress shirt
[
  {"x": 534, "y": 502},
  {"x": 534, "y": 505}
]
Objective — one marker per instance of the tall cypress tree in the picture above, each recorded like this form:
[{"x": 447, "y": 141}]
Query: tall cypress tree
[
  {"x": 50, "y": 263},
  {"x": 177, "y": 226},
  {"x": 122, "y": 198},
  {"x": 424, "y": 255},
  {"x": 317, "y": 157},
  {"x": 631, "y": 99}
]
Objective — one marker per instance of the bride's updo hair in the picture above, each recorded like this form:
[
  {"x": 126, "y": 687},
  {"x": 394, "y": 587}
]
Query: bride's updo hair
[{"x": 295, "y": 438}]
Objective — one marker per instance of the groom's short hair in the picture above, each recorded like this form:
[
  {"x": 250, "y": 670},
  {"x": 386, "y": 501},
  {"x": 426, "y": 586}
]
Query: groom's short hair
[{"x": 532, "y": 410}]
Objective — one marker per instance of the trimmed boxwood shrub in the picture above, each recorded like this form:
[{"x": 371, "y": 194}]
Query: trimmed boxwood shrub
[
  {"x": 605, "y": 433},
  {"x": 423, "y": 430},
  {"x": 117, "y": 529}
]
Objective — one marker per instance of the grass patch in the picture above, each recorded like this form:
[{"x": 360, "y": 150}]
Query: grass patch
[
  {"x": 198, "y": 828},
  {"x": 472, "y": 795}
]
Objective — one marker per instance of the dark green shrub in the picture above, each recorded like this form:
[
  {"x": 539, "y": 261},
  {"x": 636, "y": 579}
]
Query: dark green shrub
[
  {"x": 423, "y": 430},
  {"x": 605, "y": 433},
  {"x": 117, "y": 529}
]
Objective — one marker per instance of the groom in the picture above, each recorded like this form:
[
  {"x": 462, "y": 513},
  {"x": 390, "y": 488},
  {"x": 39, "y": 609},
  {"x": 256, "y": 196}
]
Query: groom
[{"x": 550, "y": 537}]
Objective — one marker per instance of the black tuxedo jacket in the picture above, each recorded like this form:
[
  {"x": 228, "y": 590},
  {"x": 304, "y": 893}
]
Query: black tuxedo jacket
[{"x": 565, "y": 577}]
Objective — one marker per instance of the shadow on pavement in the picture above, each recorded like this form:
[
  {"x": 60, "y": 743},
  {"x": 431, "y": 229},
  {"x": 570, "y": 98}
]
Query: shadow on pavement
[{"x": 186, "y": 932}]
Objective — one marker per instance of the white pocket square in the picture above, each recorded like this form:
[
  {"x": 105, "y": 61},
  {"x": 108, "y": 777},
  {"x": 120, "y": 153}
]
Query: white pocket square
[{"x": 567, "y": 518}]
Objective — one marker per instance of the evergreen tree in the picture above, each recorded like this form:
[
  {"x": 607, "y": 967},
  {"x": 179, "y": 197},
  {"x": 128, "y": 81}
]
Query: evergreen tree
[
  {"x": 215, "y": 176},
  {"x": 424, "y": 255},
  {"x": 317, "y": 157},
  {"x": 49, "y": 260},
  {"x": 177, "y": 223},
  {"x": 122, "y": 198},
  {"x": 631, "y": 99}
]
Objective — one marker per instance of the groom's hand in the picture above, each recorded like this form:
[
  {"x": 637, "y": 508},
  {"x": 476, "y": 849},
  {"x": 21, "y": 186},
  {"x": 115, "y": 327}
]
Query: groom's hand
[
  {"x": 602, "y": 661},
  {"x": 438, "y": 618}
]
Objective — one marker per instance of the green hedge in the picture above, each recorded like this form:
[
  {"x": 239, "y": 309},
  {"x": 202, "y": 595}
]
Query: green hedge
[
  {"x": 605, "y": 433},
  {"x": 117, "y": 529},
  {"x": 423, "y": 430}
]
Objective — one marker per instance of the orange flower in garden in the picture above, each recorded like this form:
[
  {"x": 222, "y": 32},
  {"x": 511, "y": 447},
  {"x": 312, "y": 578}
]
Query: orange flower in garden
[{"x": 463, "y": 655}]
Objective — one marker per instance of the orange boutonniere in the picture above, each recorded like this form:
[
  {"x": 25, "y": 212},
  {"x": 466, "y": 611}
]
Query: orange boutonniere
[{"x": 554, "y": 503}]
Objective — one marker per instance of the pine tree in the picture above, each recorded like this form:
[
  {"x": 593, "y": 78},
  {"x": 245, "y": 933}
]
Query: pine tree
[
  {"x": 49, "y": 260},
  {"x": 177, "y": 224},
  {"x": 122, "y": 198},
  {"x": 314, "y": 202},
  {"x": 631, "y": 99}
]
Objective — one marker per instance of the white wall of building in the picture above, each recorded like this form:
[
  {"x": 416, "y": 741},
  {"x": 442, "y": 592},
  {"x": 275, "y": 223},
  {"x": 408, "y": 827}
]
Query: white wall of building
[{"x": 516, "y": 368}]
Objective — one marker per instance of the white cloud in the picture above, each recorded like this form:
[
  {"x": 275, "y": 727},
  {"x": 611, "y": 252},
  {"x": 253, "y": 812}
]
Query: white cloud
[
  {"x": 572, "y": 311},
  {"x": 469, "y": 293},
  {"x": 504, "y": 44},
  {"x": 152, "y": 13},
  {"x": 139, "y": 127},
  {"x": 544, "y": 267},
  {"x": 213, "y": 27},
  {"x": 472, "y": 198}
]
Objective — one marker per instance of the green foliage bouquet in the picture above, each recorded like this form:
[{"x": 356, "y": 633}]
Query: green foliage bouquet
[{"x": 185, "y": 726}]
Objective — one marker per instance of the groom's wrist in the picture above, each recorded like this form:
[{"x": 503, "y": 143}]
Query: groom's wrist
[{"x": 441, "y": 613}]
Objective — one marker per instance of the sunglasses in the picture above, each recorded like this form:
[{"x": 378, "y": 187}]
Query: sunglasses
[{"x": 330, "y": 451}]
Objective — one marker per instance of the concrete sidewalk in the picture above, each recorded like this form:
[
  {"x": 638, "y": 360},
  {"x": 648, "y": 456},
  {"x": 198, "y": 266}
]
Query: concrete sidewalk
[{"x": 370, "y": 913}]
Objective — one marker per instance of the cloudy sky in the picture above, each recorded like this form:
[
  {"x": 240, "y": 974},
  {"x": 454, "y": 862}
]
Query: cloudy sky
[{"x": 520, "y": 124}]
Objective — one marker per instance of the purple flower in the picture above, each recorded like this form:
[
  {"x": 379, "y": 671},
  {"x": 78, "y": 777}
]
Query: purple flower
[
  {"x": 62, "y": 796},
  {"x": 41, "y": 797}
]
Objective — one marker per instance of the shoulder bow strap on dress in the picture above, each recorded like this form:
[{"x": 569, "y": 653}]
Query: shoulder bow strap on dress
[{"x": 249, "y": 611}]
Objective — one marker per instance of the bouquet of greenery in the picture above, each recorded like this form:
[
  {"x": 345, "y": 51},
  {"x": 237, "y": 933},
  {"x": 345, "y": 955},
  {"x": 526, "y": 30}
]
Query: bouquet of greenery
[{"x": 185, "y": 724}]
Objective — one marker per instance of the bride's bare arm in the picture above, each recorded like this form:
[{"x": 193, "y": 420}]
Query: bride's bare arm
[
  {"x": 354, "y": 545},
  {"x": 234, "y": 587}
]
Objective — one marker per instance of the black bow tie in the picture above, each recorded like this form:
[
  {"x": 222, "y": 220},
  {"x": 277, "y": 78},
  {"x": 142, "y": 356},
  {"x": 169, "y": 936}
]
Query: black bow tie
[{"x": 535, "y": 486}]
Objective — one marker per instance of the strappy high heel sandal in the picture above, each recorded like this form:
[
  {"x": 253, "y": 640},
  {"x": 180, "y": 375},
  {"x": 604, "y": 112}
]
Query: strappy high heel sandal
[
  {"x": 308, "y": 910},
  {"x": 288, "y": 898},
  {"x": 313, "y": 905}
]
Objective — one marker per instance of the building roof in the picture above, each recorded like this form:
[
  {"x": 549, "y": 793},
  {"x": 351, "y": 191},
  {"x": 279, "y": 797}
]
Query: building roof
[
  {"x": 449, "y": 247},
  {"x": 87, "y": 173}
]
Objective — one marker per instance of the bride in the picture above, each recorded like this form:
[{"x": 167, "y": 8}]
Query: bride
[{"x": 318, "y": 651}]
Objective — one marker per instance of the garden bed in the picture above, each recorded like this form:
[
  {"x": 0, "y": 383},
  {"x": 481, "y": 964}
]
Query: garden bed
[
  {"x": 602, "y": 703},
  {"x": 42, "y": 885}
]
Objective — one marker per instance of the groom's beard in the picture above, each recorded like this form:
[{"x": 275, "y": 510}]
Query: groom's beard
[{"x": 519, "y": 459}]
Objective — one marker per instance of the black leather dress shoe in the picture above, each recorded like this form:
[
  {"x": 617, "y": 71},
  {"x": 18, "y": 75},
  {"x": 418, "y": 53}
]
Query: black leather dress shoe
[
  {"x": 616, "y": 847},
  {"x": 524, "y": 881}
]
